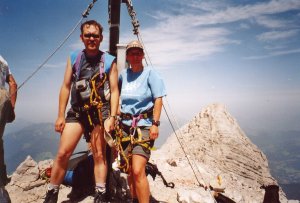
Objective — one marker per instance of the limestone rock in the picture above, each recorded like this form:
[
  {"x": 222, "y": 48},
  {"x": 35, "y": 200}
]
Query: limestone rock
[{"x": 215, "y": 146}]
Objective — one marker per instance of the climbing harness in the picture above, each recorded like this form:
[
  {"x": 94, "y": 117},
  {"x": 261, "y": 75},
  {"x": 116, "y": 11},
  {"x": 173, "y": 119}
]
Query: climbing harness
[
  {"x": 134, "y": 138},
  {"x": 95, "y": 101},
  {"x": 91, "y": 101},
  {"x": 116, "y": 140}
]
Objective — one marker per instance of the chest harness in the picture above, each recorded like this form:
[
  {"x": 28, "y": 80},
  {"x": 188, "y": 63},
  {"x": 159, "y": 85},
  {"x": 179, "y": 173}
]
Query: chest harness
[{"x": 88, "y": 91}]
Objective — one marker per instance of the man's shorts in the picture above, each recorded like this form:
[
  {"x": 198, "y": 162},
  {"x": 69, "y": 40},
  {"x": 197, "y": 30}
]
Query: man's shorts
[
  {"x": 138, "y": 149},
  {"x": 75, "y": 116}
]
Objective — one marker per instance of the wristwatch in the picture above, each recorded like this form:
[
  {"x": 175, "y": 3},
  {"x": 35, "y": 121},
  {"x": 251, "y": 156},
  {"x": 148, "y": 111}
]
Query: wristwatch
[{"x": 157, "y": 123}]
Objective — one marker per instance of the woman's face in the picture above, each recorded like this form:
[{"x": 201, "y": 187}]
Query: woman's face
[{"x": 135, "y": 56}]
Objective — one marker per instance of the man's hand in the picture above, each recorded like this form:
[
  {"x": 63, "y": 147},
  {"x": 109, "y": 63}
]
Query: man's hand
[
  {"x": 60, "y": 124},
  {"x": 110, "y": 124}
]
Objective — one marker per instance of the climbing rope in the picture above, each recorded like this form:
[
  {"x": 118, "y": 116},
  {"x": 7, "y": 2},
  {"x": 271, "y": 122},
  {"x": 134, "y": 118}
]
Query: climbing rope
[{"x": 95, "y": 99}]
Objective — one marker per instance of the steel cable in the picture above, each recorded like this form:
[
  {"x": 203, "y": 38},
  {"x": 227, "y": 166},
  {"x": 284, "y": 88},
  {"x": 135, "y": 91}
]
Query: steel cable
[{"x": 84, "y": 15}]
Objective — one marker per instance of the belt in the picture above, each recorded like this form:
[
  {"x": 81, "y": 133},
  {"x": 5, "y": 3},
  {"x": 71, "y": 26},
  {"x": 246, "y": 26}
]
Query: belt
[
  {"x": 144, "y": 115},
  {"x": 135, "y": 118}
]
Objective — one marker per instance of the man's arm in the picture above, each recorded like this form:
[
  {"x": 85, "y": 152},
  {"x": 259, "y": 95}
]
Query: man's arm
[
  {"x": 114, "y": 91},
  {"x": 64, "y": 97},
  {"x": 13, "y": 88}
]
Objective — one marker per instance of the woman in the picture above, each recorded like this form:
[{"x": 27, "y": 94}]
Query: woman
[{"x": 142, "y": 90}]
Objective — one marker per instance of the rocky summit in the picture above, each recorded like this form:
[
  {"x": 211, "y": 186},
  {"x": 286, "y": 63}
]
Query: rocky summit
[
  {"x": 207, "y": 158},
  {"x": 212, "y": 150}
]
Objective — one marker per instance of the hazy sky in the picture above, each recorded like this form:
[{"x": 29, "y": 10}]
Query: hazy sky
[{"x": 244, "y": 54}]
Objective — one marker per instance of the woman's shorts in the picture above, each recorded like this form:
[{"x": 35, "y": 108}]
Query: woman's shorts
[{"x": 138, "y": 149}]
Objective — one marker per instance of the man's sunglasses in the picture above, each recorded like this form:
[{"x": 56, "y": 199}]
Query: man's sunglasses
[{"x": 96, "y": 36}]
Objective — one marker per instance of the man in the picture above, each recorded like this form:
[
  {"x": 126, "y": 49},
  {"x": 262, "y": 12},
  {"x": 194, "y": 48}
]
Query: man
[
  {"x": 7, "y": 114},
  {"x": 87, "y": 77}
]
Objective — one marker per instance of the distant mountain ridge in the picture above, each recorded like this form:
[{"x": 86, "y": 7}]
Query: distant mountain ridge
[
  {"x": 283, "y": 152},
  {"x": 37, "y": 140}
]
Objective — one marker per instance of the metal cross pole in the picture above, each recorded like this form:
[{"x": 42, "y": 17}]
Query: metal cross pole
[{"x": 114, "y": 8}]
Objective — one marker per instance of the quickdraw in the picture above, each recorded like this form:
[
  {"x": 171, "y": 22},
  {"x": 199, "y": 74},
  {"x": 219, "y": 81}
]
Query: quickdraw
[{"x": 95, "y": 99}]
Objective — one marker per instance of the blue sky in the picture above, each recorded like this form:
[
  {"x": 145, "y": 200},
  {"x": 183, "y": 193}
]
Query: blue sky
[{"x": 244, "y": 54}]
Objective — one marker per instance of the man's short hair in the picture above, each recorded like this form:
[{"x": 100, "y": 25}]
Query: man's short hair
[{"x": 91, "y": 22}]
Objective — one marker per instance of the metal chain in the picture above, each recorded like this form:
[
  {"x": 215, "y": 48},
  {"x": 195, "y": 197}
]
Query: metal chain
[
  {"x": 132, "y": 13},
  {"x": 87, "y": 11}
]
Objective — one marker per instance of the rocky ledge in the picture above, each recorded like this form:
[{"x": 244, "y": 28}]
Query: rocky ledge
[{"x": 209, "y": 153}]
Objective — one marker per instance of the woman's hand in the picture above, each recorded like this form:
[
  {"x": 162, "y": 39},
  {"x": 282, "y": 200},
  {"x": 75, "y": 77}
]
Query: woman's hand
[{"x": 154, "y": 131}]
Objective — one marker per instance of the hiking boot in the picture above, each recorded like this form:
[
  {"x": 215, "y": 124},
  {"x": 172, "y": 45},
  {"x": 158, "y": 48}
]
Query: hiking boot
[
  {"x": 100, "y": 197},
  {"x": 51, "y": 196}
]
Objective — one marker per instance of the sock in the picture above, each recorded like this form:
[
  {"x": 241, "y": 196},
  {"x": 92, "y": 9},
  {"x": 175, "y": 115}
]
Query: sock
[
  {"x": 101, "y": 187},
  {"x": 53, "y": 187}
]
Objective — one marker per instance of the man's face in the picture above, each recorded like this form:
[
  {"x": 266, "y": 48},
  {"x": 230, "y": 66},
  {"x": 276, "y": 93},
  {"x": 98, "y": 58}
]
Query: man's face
[{"x": 91, "y": 37}]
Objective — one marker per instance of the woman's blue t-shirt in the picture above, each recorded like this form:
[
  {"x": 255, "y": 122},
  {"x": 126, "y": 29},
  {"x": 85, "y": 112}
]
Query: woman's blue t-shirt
[{"x": 138, "y": 92}]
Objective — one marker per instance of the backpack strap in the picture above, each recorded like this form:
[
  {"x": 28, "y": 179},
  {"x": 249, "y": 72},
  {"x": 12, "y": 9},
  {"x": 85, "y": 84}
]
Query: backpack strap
[
  {"x": 108, "y": 61},
  {"x": 77, "y": 64},
  {"x": 76, "y": 60}
]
